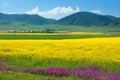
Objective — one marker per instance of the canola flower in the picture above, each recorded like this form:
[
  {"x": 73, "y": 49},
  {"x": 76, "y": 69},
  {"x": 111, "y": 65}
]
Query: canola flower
[{"x": 94, "y": 49}]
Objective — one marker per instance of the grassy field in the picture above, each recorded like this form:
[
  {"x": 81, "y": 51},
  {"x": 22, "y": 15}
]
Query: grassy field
[
  {"x": 56, "y": 27},
  {"x": 60, "y": 51},
  {"x": 54, "y": 36},
  {"x": 26, "y": 76}
]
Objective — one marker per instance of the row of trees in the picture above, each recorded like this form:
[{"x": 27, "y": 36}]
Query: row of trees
[{"x": 48, "y": 30}]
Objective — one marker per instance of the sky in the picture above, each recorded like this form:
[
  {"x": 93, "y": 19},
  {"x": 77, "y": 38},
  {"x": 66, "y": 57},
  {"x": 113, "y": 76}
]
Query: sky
[{"x": 58, "y": 9}]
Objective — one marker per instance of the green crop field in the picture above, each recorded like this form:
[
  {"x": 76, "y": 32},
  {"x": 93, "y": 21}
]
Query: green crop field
[{"x": 54, "y": 36}]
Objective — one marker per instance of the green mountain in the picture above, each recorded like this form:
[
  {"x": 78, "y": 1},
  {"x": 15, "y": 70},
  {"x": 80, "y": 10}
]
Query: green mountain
[
  {"x": 77, "y": 19},
  {"x": 115, "y": 22},
  {"x": 85, "y": 19},
  {"x": 29, "y": 19},
  {"x": 6, "y": 22}
]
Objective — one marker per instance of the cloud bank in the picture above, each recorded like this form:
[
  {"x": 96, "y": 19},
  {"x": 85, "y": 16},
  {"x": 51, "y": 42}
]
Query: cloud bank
[{"x": 55, "y": 13}]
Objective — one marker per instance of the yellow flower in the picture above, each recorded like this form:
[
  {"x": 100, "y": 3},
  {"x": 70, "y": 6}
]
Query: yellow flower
[{"x": 92, "y": 49}]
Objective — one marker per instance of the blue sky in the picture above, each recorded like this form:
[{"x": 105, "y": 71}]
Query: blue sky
[{"x": 59, "y": 8}]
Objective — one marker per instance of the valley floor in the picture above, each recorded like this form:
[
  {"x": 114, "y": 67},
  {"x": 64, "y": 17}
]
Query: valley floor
[{"x": 103, "y": 53}]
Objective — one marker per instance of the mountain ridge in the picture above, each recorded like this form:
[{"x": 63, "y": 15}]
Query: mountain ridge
[
  {"x": 85, "y": 19},
  {"x": 30, "y": 19},
  {"x": 76, "y": 19},
  {"x": 115, "y": 22}
]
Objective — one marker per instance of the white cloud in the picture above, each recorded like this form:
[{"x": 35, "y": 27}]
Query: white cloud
[
  {"x": 96, "y": 11},
  {"x": 55, "y": 13}
]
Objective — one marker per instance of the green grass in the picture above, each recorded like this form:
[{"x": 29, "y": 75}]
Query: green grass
[
  {"x": 25, "y": 61},
  {"x": 59, "y": 28},
  {"x": 28, "y": 62},
  {"x": 17, "y": 76},
  {"x": 54, "y": 37},
  {"x": 27, "y": 76}
]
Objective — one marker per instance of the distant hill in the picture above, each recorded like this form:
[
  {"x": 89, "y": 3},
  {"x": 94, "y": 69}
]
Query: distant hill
[
  {"x": 115, "y": 22},
  {"x": 85, "y": 19},
  {"x": 6, "y": 22},
  {"x": 30, "y": 19},
  {"x": 77, "y": 19}
]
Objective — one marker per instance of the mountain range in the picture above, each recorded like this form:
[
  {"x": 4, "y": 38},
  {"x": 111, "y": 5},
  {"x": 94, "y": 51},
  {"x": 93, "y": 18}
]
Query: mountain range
[
  {"x": 77, "y": 19},
  {"x": 86, "y": 19},
  {"x": 24, "y": 18},
  {"x": 115, "y": 22}
]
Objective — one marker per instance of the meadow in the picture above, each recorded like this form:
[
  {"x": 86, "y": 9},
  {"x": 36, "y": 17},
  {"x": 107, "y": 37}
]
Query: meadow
[
  {"x": 56, "y": 27},
  {"x": 55, "y": 54},
  {"x": 54, "y": 36}
]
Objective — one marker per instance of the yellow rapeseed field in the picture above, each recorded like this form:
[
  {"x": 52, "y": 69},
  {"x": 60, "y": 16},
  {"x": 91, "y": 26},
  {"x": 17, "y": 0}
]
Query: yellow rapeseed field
[{"x": 93, "y": 49}]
